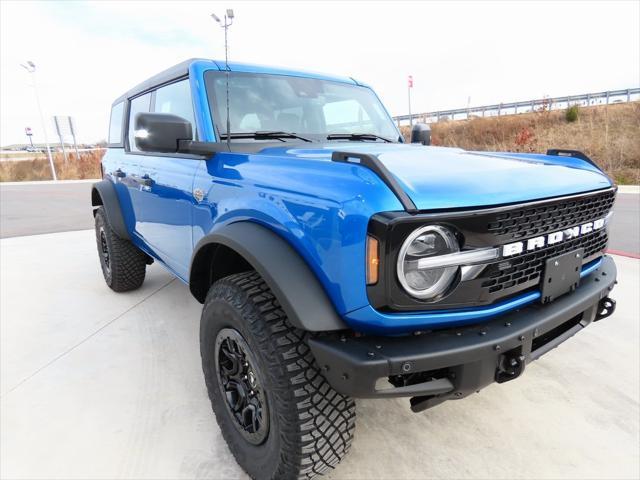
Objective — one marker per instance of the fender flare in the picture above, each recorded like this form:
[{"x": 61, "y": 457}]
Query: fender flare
[
  {"x": 103, "y": 193},
  {"x": 296, "y": 287}
]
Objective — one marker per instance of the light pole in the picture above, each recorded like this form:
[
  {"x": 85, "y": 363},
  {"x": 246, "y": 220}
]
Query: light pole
[
  {"x": 30, "y": 67},
  {"x": 228, "y": 21},
  {"x": 409, "y": 87}
]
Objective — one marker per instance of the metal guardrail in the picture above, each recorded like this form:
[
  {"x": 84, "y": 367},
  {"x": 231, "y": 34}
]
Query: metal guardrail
[{"x": 513, "y": 108}]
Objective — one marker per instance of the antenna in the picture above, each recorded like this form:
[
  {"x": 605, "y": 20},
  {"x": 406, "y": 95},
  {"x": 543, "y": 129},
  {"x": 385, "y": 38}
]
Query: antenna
[{"x": 228, "y": 21}]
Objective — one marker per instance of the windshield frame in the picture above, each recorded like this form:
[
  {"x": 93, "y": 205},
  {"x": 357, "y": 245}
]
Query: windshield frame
[{"x": 218, "y": 117}]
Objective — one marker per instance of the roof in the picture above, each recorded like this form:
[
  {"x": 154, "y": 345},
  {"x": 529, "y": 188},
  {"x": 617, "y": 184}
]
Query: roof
[{"x": 182, "y": 70}]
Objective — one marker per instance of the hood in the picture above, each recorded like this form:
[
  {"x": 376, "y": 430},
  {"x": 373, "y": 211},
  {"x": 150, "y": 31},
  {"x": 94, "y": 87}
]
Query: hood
[{"x": 444, "y": 178}]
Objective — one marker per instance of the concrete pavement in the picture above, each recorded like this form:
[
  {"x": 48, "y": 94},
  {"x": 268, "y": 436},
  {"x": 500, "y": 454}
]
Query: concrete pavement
[
  {"x": 98, "y": 385},
  {"x": 32, "y": 208},
  {"x": 624, "y": 230}
]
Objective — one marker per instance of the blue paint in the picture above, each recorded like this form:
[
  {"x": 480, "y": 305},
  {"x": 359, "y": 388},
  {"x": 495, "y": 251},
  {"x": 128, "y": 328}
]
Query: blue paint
[
  {"x": 369, "y": 320},
  {"x": 322, "y": 208}
]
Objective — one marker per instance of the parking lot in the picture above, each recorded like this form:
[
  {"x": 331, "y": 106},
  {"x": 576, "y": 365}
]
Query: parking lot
[{"x": 95, "y": 384}]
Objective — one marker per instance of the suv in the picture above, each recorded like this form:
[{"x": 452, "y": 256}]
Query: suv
[{"x": 335, "y": 261}]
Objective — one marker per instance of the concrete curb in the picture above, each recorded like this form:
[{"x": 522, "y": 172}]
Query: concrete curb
[
  {"x": 51, "y": 182},
  {"x": 629, "y": 189}
]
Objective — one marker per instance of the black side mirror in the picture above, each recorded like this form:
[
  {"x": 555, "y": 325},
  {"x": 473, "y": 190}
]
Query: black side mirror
[
  {"x": 161, "y": 132},
  {"x": 421, "y": 133}
]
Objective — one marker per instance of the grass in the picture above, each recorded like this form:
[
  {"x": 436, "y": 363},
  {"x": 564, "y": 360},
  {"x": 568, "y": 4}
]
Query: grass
[
  {"x": 87, "y": 166},
  {"x": 610, "y": 135}
]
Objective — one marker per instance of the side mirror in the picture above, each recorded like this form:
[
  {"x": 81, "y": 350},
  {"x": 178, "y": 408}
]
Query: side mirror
[
  {"x": 421, "y": 133},
  {"x": 161, "y": 132}
]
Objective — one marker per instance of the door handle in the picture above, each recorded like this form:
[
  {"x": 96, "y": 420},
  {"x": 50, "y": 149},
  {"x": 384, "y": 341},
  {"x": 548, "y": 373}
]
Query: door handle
[{"x": 146, "y": 180}]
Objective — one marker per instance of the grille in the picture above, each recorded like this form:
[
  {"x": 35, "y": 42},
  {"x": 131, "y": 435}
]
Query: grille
[
  {"x": 533, "y": 221},
  {"x": 527, "y": 268}
]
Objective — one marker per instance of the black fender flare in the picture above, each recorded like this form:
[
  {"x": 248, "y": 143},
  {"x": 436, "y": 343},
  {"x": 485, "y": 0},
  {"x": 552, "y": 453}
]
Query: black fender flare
[
  {"x": 294, "y": 284},
  {"x": 103, "y": 193}
]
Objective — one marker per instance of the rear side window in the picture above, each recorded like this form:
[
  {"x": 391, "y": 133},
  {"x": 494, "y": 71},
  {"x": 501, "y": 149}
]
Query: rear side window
[
  {"x": 115, "y": 125},
  {"x": 139, "y": 104},
  {"x": 176, "y": 99}
]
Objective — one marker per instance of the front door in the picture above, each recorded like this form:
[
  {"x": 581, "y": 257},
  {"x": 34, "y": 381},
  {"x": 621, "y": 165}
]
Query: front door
[
  {"x": 165, "y": 203},
  {"x": 161, "y": 185}
]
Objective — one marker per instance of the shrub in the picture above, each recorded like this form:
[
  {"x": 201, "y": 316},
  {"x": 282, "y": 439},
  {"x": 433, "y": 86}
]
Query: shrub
[{"x": 571, "y": 113}]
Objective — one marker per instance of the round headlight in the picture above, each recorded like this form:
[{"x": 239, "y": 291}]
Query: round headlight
[{"x": 426, "y": 242}]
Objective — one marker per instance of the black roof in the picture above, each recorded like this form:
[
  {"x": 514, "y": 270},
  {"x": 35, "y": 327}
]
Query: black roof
[
  {"x": 166, "y": 76},
  {"x": 182, "y": 70}
]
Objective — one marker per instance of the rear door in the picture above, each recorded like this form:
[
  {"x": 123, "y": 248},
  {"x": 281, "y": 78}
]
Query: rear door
[{"x": 163, "y": 197}]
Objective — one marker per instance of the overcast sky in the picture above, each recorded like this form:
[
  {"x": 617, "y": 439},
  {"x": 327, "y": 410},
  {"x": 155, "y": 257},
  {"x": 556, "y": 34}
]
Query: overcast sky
[{"x": 87, "y": 54}]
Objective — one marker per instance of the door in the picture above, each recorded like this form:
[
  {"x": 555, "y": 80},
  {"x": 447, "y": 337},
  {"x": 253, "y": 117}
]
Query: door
[{"x": 163, "y": 197}]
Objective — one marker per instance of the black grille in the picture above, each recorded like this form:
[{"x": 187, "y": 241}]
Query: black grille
[
  {"x": 536, "y": 220},
  {"x": 527, "y": 269}
]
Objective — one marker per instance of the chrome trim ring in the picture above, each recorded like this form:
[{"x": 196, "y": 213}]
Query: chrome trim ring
[{"x": 449, "y": 272}]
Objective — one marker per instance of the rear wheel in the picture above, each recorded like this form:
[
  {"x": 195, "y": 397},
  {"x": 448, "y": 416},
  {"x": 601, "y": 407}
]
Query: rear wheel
[
  {"x": 123, "y": 264},
  {"x": 279, "y": 416}
]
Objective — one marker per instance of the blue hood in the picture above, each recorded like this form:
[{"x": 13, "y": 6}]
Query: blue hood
[{"x": 442, "y": 178}]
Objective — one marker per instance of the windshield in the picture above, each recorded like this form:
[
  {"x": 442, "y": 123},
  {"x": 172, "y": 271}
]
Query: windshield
[{"x": 306, "y": 106}]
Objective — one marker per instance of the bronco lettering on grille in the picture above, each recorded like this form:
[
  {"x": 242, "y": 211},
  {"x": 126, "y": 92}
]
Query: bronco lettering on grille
[{"x": 552, "y": 238}]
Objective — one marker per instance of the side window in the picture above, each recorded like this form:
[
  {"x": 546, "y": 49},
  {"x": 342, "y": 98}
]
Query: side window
[
  {"x": 138, "y": 105},
  {"x": 115, "y": 124},
  {"x": 176, "y": 99}
]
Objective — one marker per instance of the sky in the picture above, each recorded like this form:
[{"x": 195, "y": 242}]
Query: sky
[{"x": 458, "y": 52}]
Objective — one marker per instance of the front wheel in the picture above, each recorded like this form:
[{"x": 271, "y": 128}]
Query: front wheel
[{"x": 279, "y": 416}]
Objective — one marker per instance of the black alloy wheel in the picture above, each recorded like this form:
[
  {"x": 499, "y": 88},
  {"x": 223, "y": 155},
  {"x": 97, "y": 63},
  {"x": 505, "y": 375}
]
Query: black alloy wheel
[
  {"x": 241, "y": 386},
  {"x": 104, "y": 249}
]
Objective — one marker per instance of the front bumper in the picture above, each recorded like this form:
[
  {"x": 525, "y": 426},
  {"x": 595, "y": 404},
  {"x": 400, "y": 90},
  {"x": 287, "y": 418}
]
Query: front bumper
[{"x": 452, "y": 363}]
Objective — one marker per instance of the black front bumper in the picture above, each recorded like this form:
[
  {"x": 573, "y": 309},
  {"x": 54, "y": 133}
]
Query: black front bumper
[{"x": 436, "y": 366}]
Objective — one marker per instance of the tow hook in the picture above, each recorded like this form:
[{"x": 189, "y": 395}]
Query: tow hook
[
  {"x": 606, "y": 307},
  {"x": 510, "y": 366}
]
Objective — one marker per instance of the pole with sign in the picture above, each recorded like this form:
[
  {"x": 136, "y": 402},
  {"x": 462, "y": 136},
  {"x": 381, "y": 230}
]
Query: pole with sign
[
  {"x": 409, "y": 87},
  {"x": 72, "y": 126},
  {"x": 29, "y": 134},
  {"x": 59, "y": 126}
]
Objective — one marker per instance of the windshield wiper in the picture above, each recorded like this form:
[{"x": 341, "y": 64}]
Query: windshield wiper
[
  {"x": 357, "y": 136},
  {"x": 265, "y": 135}
]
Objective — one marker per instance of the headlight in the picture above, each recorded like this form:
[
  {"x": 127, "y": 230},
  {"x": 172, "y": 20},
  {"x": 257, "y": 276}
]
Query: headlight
[{"x": 426, "y": 242}]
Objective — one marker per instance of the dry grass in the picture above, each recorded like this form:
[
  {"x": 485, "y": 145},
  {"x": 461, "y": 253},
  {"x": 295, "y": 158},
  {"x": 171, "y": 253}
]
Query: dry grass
[
  {"x": 87, "y": 166},
  {"x": 610, "y": 135}
]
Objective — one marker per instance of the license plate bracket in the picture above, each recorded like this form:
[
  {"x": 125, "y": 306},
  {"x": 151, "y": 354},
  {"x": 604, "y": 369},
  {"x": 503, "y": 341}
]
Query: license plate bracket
[{"x": 561, "y": 275}]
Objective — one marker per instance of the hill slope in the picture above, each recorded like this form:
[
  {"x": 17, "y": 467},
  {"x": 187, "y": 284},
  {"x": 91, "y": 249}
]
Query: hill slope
[{"x": 610, "y": 135}]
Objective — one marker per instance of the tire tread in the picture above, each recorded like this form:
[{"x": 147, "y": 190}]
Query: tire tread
[
  {"x": 320, "y": 432},
  {"x": 128, "y": 263}
]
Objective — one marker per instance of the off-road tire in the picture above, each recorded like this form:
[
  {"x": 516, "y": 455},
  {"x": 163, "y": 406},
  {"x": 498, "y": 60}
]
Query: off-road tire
[
  {"x": 124, "y": 265},
  {"x": 310, "y": 425}
]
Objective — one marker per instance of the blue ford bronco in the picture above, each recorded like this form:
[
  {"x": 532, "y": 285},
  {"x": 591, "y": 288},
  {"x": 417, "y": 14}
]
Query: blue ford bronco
[{"x": 336, "y": 261}]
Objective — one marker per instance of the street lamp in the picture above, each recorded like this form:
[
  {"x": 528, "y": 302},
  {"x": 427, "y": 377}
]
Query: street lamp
[
  {"x": 409, "y": 87},
  {"x": 30, "y": 67},
  {"x": 228, "y": 21}
]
